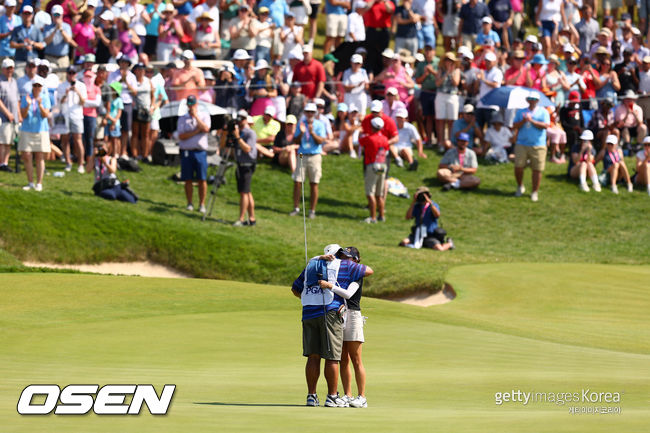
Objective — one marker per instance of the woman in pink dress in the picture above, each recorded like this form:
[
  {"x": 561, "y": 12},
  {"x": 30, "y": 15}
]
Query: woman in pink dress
[
  {"x": 128, "y": 37},
  {"x": 84, "y": 34},
  {"x": 394, "y": 75}
]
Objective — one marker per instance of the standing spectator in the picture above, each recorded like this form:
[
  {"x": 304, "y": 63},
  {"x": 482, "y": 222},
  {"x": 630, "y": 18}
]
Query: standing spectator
[
  {"x": 138, "y": 20},
  {"x": 549, "y": 15},
  {"x": 84, "y": 35},
  {"x": 471, "y": 14},
  {"x": 607, "y": 83},
  {"x": 265, "y": 35},
  {"x": 127, "y": 37},
  {"x": 126, "y": 79},
  {"x": 207, "y": 42},
  {"x": 425, "y": 76},
  {"x": 193, "y": 129},
  {"x": 9, "y": 112},
  {"x": 243, "y": 30},
  {"x": 34, "y": 133},
  {"x": 295, "y": 100},
  {"x": 377, "y": 18},
  {"x": 587, "y": 28},
  {"x": 152, "y": 17},
  {"x": 572, "y": 123},
  {"x": 406, "y": 35},
  {"x": 310, "y": 74},
  {"x": 447, "y": 101},
  {"x": 395, "y": 75},
  {"x": 491, "y": 79},
  {"x": 629, "y": 119},
  {"x": 170, "y": 32},
  {"x": 27, "y": 39},
  {"x": 376, "y": 148},
  {"x": 355, "y": 33},
  {"x": 450, "y": 9},
  {"x": 188, "y": 78},
  {"x": 517, "y": 74},
  {"x": 458, "y": 166},
  {"x": 355, "y": 83},
  {"x": 628, "y": 73},
  {"x": 426, "y": 9},
  {"x": 301, "y": 9},
  {"x": 160, "y": 98},
  {"x": 25, "y": 82},
  {"x": 209, "y": 6},
  {"x": 503, "y": 15},
  {"x": 8, "y": 22},
  {"x": 487, "y": 36},
  {"x": 142, "y": 94},
  {"x": 408, "y": 134},
  {"x": 336, "y": 22},
  {"x": 581, "y": 164},
  {"x": 105, "y": 32},
  {"x": 112, "y": 120},
  {"x": 72, "y": 95},
  {"x": 291, "y": 35},
  {"x": 643, "y": 165},
  {"x": 246, "y": 157},
  {"x": 531, "y": 124},
  {"x": 58, "y": 39},
  {"x": 93, "y": 102},
  {"x": 312, "y": 136},
  {"x": 208, "y": 94},
  {"x": 644, "y": 79}
]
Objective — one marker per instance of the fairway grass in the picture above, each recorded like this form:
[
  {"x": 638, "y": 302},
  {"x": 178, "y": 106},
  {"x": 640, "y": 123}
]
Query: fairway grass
[{"x": 233, "y": 350}]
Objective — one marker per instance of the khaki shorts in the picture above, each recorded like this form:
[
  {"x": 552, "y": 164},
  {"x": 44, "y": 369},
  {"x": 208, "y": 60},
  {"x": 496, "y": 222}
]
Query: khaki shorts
[
  {"x": 535, "y": 154},
  {"x": 374, "y": 182},
  {"x": 8, "y": 132},
  {"x": 100, "y": 131},
  {"x": 336, "y": 25},
  {"x": 312, "y": 168},
  {"x": 34, "y": 142},
  {"x": 353, "y": 330},
  {"x": 447, "y": 106},
  {"x": 315, "y": 333}
]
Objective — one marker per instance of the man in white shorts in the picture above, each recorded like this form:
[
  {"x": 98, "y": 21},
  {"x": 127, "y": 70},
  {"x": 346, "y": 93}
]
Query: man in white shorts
[
  {"x": 72, "y": 95},
  {"x": 336, "y": 23},
  {"x": 9, "y": 114}
]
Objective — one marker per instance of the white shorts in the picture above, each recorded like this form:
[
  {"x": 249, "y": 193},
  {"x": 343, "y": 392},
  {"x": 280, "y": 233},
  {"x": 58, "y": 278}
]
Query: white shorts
[
  {"x": 301, "y": 15},
  {"x": 353, "y": 330},
  {"x": 447, "y": 106},
  {"x": 34, "y": 142},
  {"x": 8, "y": 132},
  {"x": 336, "y": 25}
]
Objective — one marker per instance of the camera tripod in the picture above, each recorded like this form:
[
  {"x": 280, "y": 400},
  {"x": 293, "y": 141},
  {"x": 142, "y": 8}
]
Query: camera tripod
[{"x": 219, "y": 179}]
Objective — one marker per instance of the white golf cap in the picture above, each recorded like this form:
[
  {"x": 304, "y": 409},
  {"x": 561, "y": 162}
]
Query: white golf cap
[
  {"x": 250, "y": 119},
  {"x": 270, "y": 110},
  {"x": 356, "y": 58},
  {"x": 403, "y": 113},
  {"x": 392, "y": 91},
  {"x": 57, "y": 9},
  {"x": 307, "y": 48},
  {"x": 29, "y": 9},
  {"x": 490, "y": 56},
  {"x": 45, "y": 62},
  {"x": 296, "y": 54},
  {"x": 568, "y": 48},
  {"x": 361, "y": 5},
  {"x": 241, "y": 54},
  {"x": 419, "y": 57},
  {"x": 187, "y": 55},
  {"x": 319, "y": 102},
  {"x": 486, "y": 20},
  {"x": 261, "y": 64},
  {"x": 353, "y": 107},
  {"x": 106, "y": 15},
  {"x": 587, "y": 135},
  {"x": 242, "y": 114},
  {"x": 10, "y": 3},
  {"x": 611, "y": 139},
  {"x": 388, "y": 53},
  {"x": 291, "y": 119},
  {"x": 92, "y": 3},
  {"x": 377, "y": 123},
  {"x": 376, "y": 106},
  {"x": 532, "y": 39},
  {"x": 310, "y": 107},
  {"x": 468, "y": 108},
  {"x": 332, "y": 249},
  {"x": 38, "y": 80},
  {"x": 646, "y": 140},
  {"x": 533, "y": 95},
  {"x": 468, "y": 55},
  {"x": 8, "y": 63}
]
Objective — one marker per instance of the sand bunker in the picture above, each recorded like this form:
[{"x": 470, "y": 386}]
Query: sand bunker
[
  {"x": 424, "y": 299},
  {"x": 142, "y": 269}
]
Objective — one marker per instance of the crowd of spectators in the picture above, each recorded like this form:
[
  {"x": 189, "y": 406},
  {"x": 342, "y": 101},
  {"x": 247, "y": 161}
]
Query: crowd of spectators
[{"x": 77, "y": 74}]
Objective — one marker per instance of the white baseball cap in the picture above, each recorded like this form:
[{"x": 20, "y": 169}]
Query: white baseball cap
[
  {"x": 568, "y": 48},
  {"x": 29, "y": 9},
  {"x": 241, "y": 54},
  {"x": 92, "y": 3},
  {"x": 388, "y": 53},
  {"x": 377, "y": 123},
  {"x": 38, "y": 80},
  {"x": 392, "y": 91},
  {"x": 587, "y": 135},
  {"x": 533, "y": 95},
  {"x": 490, "y": 56},
  {"x": 307, "y": 48},
  {"x": 261, "y": 64},
  {"x": 353, "y": 107},
  {"x": 270, "y": 110},
  {"x": 291, "y": 119},
  {"x": 106, "y": 15},
  {"x": 332, "y": 249},
  {"x": 402, "y": 112},
  {"x": 10, "y": 3},
  {"x": 376, "y": 106},
  {"x": 57, "y": 9},
  {"x": 319, "y": 101},
  {"x": 646, "y": 140},
  {"x": 311, "y": 107},
  {"x": 531, "y": 39},
  {"x": 356, "y": 58},
  {"x": 611, "y": 139},
  {"x": 486, "y": 20},
  {"x": 8, "y": 63},
  {"x": 187, "y": 55}
]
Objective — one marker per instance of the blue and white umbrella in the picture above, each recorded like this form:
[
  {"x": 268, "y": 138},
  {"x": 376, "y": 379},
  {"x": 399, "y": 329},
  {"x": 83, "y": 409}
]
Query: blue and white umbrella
[{"x": 513, "y": 97}]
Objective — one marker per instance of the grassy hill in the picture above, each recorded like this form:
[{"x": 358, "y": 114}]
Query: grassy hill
[
  {"x": 233, "y": 350},
  {"x": 67, "y": 224}
]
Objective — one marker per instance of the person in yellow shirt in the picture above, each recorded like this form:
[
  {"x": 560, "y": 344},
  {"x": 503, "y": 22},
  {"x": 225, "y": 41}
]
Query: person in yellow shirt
[{"x": 266, "y": 128}]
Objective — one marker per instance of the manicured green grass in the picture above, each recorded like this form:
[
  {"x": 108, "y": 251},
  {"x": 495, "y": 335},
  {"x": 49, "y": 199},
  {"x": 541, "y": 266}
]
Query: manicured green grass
[
  {"x": 66, "y": 223},
  {"x": 233, "y": 350}
]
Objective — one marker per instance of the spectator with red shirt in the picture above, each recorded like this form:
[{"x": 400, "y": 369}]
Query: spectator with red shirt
[
  {"x": 376, "y": 149},
  {"x": 310, "y": 73},
  {"x": 589, "y": 74},
  {"x": 377, "y": 18},
  {"x": 517, "y": 74}
]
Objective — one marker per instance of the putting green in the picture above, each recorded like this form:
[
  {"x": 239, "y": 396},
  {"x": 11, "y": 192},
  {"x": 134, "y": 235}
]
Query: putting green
[{"x": 233, "y": 350}]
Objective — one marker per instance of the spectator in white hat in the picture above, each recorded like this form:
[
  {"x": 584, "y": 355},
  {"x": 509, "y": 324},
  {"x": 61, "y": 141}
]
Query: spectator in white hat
[
  {"x": 407, "y": 136},
  {"x": 58, "y": 40},
  {"x": 629, "y": 118},
  {"x": 488, "y": 80},
  {"x": 9, "y": 112},
  {"x": 266, "y": 128},
  {"x": 27, "y": 39},
  {"x": 188, "y": 79},
  {"x": 106, "y": 32},
  {"x": 375, "y": 156},
  {"x": 291, "y": 35},
  {"x": 170, "y": 32},
  {"x": 34, "y": 141},
  {"x": 487, "y": 34},
  {"x": 8, "y": 22},
  {"x": 284, "y": 144},
  {"x": 582, "y": 162},
  {"x": 356, "y": 83},
  {"x": 614, "y": 164},
  {"x": 356, "y": 30},
  {"x": 71, "y": 97},
  {"x": 243, "y": 30},
  {"x": 391, "y": 103}
]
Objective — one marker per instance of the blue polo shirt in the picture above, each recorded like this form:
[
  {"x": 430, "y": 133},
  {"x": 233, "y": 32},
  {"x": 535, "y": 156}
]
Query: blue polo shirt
[
  {"x": 19, "y": 35},
  {"x": 58, "y": 47},
  {"x": 308, "y": 145},
  {"x": 34, "y": 122},
  {"x": 7, "y": 25},
  {"x": 493, "y": 36},
  {"x": 349, "y": 272},
  {"x": 277, "y": 10},
  {"x": 528, "y": 134},
  {"x": 334, "y": 10}
]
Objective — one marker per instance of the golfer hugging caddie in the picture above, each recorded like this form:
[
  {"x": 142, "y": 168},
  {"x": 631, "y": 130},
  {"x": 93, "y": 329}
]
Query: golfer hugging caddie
[{"x": 322, "y": 317}]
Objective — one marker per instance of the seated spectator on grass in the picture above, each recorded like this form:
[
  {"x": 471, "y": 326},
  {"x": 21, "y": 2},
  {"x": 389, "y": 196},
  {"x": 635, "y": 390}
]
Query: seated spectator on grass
[
  {"x": 350, "y": 132},
  {"x": 285, "y": 144},
  {"x": 407, "y": 136},
  {"x": 581, "y": 163},
  {"x": 425, "y": 233},
  {"x": 458, "y": 166},
  {"x": 497, "y": 145},
  {"x": 603, "y": 122},
  {"x": 296, "y": 100},
  {"x": 614, "y": 168},
  {"x": 572, "y": 122},
  {"x": 466, "y": 123},
  {"x": 392, "y": 104},
  {"x": 106, "y": 185},
  {"x": 556, "y": 137},
  {"x": 629, "y": 119},
  {"x": 642, "y": 176},
  {"x": 266, "y": 128}
]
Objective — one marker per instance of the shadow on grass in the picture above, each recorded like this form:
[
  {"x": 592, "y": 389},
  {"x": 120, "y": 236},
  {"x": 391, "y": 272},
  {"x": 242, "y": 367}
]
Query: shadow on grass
[{"x": 218, "y": 403}]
